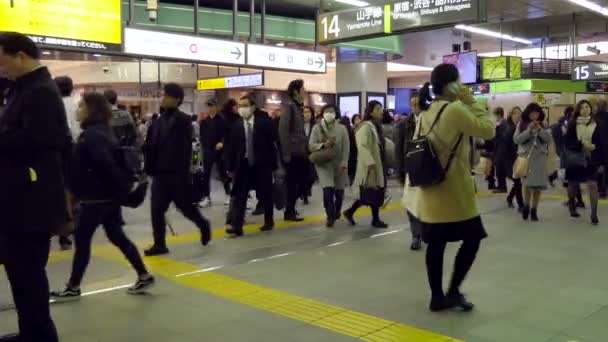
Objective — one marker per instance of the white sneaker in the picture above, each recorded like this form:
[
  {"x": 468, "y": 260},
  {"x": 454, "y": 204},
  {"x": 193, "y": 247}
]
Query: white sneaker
[{"x": 205, "y": 203}]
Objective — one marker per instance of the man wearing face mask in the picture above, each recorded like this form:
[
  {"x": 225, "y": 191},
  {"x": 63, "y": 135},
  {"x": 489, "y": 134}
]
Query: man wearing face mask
[
  {"x": 251, "y": 159},
  {"x": 168, "y": 159}
]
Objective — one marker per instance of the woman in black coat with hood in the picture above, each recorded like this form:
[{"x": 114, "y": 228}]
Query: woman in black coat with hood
[{"x": 506, "y": 154}]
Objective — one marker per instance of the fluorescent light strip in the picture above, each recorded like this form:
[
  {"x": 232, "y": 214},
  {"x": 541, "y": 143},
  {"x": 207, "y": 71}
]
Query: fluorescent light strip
[
  {"x": 493, "y": 34},
  {"x": 354, "y": 2},
  {"x": 395, "y": 67},
  {"x": 591, "y": 6}
]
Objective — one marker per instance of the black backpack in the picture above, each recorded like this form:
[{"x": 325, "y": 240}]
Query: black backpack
[
  {"x": 128, "y": 159},
  {"x": 421, "y": 161}
]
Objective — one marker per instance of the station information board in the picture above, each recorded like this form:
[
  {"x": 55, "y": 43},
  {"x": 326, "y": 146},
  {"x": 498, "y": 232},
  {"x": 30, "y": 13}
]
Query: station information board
[
  {"x": 590, "y": 72},
  {"x": 271, "y": 57},
  {"x": 235, "y": 81},
  {"x": 79, "y": 24},
  {"x": 395, "y": 18}
]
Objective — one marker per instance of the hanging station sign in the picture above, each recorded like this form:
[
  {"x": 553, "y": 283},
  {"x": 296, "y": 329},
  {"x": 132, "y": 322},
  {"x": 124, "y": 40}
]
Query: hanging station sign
[
  {"x": 395, "y": 18},
  {"x": 271, "y": 57},
  {"x": 92, "y": 25},
  {"x": 183, "y": 47},
  {"x": 590, "y": 72},
  {"x": 228, "y": 82}
]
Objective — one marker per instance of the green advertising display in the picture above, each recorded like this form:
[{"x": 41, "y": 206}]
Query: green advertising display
[
  {"x": 395, "y": 18},
  {"x": 501, "y": 68}
]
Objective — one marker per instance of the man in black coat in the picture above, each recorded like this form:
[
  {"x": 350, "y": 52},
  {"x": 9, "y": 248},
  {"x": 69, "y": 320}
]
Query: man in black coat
[
  {"x": 168, "y": 159},
  {"x": 34, "y": 137},
  {"x": 251, "y": 158},
  {"x": 212, "y": 133}
]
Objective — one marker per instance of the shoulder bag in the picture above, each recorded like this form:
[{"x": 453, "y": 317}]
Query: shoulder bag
[{"x": 325, "y": 154}]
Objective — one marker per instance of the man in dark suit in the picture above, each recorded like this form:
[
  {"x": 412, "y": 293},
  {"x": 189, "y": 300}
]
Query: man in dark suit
[
  {"x": 251, "y": 158},
  {"x": 168, "y": 159},
  {"x": 34, "y": 138}
]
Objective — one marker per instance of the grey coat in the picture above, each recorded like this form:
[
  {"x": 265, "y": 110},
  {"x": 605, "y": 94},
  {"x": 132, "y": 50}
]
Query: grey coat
[
  {"x": 534, "y": 144},
  {"x": 291, "y": 133},
  {"x": 329, "y": 173}
]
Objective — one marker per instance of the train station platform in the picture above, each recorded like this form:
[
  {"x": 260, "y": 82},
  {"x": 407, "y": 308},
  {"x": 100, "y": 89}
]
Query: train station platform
[{"x": 532, "y": 282}]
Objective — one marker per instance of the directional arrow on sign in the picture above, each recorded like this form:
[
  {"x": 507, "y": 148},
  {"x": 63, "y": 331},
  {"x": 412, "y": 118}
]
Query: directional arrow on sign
[
  {"x": 320, "y": 62},
  {"x": 237, "y": 52}
]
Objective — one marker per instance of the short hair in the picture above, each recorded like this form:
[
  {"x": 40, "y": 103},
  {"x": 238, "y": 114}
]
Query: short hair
[
  {"x": 229, "y": 105},
  {"x": 111, "y": 96},
  {"x": 12, "y": 43},
  {"x": 98, "y": 109},
  {"x": 174, "y": 90},
  {"x": 294, "y": 86},
  {"x": 250, "y": 99},
  {"x": 65, "y": 85}
]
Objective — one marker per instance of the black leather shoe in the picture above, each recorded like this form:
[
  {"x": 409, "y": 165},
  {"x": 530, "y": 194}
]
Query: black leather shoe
[
  {"x": 458, "y": 300},
  {"x": 330, "y": 223},
  {"x": 258, "y": 212},
  {"x": 379, "y": 225},
  {"x": 293, "y": 218},
  {"x": 234, "y": 232},
  {"x": 205, "y": 233},
  {"x": 440, "y": 304},
  {"x": 266, "y": 228},
  {"x": 534, "y": 215},
  {"x": 10, "y": 338},
  {"x": 416, "y": 244},
  {"x": 349, "y": 218},
  {"x": 525, "y": 212},
  {"x": 155, "y": 250},
  {"x": 594, "y": 220}
]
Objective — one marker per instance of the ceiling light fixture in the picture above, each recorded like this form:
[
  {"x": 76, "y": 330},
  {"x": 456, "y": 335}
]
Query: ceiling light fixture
[
  {"x": 591, "y": 6},
  {"x": 398, "y": 67},
  {"x": 46, "y": 53},
  {"x": 492, "y": 34},
  {"x": 354, "y": 2}
]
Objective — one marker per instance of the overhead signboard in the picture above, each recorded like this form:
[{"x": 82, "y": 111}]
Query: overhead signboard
[
  {"x": 271, "y": 57},
  {"x": 227, "y": 82},
  {"x": 590, "y": 71},
  {"x": 183, "y": 47},
  {"x": 94, "y": 25},
  {"x": 398, "y": 17},
  {"x": 597, "y": 87}
]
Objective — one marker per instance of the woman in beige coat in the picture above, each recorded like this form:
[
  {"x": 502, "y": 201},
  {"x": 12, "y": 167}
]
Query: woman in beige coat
[{"x": 370, "y": 162}]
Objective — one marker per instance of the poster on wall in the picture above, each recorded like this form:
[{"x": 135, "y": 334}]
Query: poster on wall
[
  {"x": 350, "y": 104},
  {"x": 93, "y": 25}
]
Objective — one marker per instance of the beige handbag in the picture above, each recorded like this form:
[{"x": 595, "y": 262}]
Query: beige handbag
[{"x": 522, "y": 164}]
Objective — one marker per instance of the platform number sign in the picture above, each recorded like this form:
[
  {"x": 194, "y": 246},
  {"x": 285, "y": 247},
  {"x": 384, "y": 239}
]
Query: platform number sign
[
  {"x": 331, "y": 26},
  {"x": 582, "y": 72}
]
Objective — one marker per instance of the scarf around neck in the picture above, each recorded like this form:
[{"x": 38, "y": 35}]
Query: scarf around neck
[{"x": 585, "y": 128}]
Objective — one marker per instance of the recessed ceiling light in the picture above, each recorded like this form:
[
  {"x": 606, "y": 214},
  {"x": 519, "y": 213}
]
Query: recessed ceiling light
[
  {"x": 96, "y": 55},
  {"x": 280, "y": 44},
  {"x": 397, "y": 67},
  {"x": 354, "y": 2},
  {"x": 46, "y": 52},
  {"x": 493, "y": 34},
  {"x": 591, "y": 6}
]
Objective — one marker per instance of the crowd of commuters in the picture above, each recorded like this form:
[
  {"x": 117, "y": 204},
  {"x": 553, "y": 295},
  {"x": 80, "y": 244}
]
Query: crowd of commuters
[{"x": 74, "y": 176}]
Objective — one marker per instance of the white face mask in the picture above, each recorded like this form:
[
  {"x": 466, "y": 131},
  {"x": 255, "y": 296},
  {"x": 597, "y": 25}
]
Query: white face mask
[
  {"x": 245, "y": 112},
  {"x": 329, "y": 117}
]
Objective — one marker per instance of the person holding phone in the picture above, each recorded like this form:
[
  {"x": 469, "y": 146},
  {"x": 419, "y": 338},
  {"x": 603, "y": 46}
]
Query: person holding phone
[
  {"x": 458, "y": 121},
  {"x": 533, "y": 139}
]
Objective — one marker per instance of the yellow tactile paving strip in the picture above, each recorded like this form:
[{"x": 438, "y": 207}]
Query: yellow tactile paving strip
[{"x": 326, "y": 316}]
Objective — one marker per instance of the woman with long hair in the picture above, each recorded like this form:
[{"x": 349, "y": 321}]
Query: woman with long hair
[
  {"x": 583, "y": 137},
  {"x": 506, "y": 154},
  {"x": 333, "y": 174},
  {"x": 371, "y": 157},
  {"x": 533, "y": 139},
  {"x": 450, "y": 121},
  {"x": 98, "y": 182}
]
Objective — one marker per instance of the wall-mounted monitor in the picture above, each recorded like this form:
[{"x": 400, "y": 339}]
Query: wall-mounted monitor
[
  {"x": 380, "y": 97},
  {"x": 349, "y": 104},
  {"x": 466, "y": 63},
  {"x": 501, "y": 68}
]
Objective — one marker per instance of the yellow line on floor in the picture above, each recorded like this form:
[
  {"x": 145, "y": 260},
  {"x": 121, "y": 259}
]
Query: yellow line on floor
[{"x": 331, "y": 317}]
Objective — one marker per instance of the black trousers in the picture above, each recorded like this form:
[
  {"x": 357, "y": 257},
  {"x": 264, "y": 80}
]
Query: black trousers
[
  {"x": 211, "y": 158},
  {"x": 434, "y": 265},
  {"x": 501, "y": 178},
  {"x": 25, "y": 256},
  {"x": 517, "y": 193},
  {"x": 109, "y": 216},
  {"x": 332, "y": 201},
  {"x": 297, "y": 180},
  {"x": 251, "y": 178},
  {"x": 358, "y": 204},
  {"x": 167, "y": 189}
]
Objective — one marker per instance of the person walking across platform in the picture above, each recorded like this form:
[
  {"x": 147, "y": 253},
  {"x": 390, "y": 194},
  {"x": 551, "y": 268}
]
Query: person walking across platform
[
  {"x": 449, "y": 121},
  {"x": 251, "y": 158},
  {"x": 331, "y": 136},
  {"x": 98, "y": 181},
  {"x": 34, "y": 139},
  {"x": 168, "y": 159}
]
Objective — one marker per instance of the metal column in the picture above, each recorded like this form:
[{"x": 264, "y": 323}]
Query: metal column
[
  {"x": 501, "y": 40},
  {"x": 196, "y": 7},
  {"x": 263, "y": 14},
  {"x": 252, "y": 21},
  {"x": 235, "y": 18},
  {"x": 317, "y": 12},
  {"x": 131, "y": 9},
  {"x": 574, "y": 34}
]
